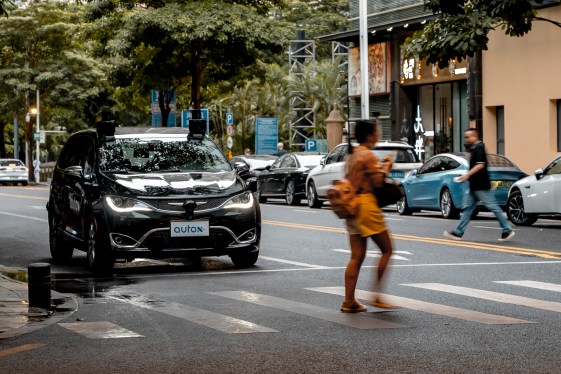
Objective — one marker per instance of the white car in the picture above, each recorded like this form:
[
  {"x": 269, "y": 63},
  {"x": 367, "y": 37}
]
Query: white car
[
  {"x": 536, "y": 195},
  {"x": 13, "y": 171},
  {"x": 333, "y": 167}
]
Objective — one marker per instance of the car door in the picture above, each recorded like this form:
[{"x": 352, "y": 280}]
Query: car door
[
  {"x": 544, "y": 195},
  {"x": 332, "y": 168},
  {"x": 423, "y": 191},
  {"x": 267, "y": 178},
  {"x": 284, "y": 173}
]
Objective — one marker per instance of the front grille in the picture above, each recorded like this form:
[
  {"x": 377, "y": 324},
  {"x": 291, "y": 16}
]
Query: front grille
[{"x": 202, "y": 204}]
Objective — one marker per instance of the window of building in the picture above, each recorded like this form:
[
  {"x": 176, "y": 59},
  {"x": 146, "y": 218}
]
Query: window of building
[{"x": 500, "y": 115}]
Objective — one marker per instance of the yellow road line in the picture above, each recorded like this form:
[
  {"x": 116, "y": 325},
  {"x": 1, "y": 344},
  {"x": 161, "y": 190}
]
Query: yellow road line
[
  {"x": 23, "y": 348},
  {"x": 24, "y": 196},
  {"x": 489, "y": 247}
]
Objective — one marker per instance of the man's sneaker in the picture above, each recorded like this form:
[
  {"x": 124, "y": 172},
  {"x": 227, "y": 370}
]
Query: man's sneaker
[
  {"x": 451, "y": 235},
  {"x": 506, "y": 236}
]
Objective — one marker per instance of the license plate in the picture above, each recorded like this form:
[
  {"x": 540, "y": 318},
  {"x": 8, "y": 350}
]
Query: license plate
[
  {"x": 501, "y": 184},
  {"x": 396, "y": 174},
  {"x": 189, "y": 228}
]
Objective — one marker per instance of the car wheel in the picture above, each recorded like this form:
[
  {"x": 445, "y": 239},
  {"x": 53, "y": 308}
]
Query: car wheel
[
  {"x": 291, "y": 197},
  {"x": 447, "y": 207},
  {"x": 515, "y": 210},
  {"x": 99, "y": 257},
  {"x": 244, "y": 260},
  {"x": 312, "y": 196},
  {"x": 60, "y": 250},
  {"x": 259, "y": 192},
  {"x": 402, "y": 207},
  {"x": 24, "y": 183}
]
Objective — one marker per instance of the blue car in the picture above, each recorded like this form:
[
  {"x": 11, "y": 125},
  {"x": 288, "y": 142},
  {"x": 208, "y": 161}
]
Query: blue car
[{"x": 432, "y": 186}]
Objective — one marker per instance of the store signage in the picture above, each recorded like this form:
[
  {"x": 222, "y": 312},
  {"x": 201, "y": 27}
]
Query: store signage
[{"x": 419, "y": 134}]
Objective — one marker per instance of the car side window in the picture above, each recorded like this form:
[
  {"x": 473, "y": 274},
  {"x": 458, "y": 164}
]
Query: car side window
[
  {"x": 448, "y": 163},
  {"x": 429, "y": 167},
  {"x": 277, "y": 163},
  {"x": 70, "y": 155},
  {"x": 553, "y": 168},
  {"x": 337, "y": 155},
  {"x": 289, "y": 162},
  {"x": 88, "y": 152}
]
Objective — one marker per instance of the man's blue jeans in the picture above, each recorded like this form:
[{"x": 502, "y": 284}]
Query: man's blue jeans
[{"x": 487, "y": 197}]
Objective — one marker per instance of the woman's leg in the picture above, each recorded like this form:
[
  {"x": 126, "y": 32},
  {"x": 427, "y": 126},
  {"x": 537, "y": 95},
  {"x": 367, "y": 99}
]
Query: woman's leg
[
  {"x": 358, "y": 252},
  {"x": 384, "y": 242}
]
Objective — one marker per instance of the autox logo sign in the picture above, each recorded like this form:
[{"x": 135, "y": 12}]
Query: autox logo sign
[{"x": 189, "y": 228}]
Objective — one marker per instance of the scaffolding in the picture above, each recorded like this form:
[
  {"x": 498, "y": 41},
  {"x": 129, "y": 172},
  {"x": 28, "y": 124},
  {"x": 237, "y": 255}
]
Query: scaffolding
[{"x": 302, "y": 125}]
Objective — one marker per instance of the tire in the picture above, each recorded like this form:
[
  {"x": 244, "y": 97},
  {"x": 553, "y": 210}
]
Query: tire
[
  {"x": 61, "y": 251},
  {"x": 24, "y": 183},
  {"x": 447, "y": 207},
  {"x": 258, "y": 193},
  {"x": 515, "y": 210},
  {"x": 97, "y": 250},
  {"x": 402, "y": 207},
  {"x": 244, "y": 260},
  {"x": 291, "y": 197},
  {"x": 312, "y": 196}
]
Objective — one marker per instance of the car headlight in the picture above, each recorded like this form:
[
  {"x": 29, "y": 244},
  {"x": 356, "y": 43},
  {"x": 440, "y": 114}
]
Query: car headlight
[
  {"x": 241, "y": 201},
  {"x": 125, "y": 205}
]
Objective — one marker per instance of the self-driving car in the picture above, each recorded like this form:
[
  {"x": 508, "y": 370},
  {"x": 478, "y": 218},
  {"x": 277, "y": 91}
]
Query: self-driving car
[{"x": 130, "y": 193}]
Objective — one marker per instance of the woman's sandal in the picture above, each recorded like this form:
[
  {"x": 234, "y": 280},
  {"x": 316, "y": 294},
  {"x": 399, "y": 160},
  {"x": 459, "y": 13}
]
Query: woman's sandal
[
  {"x": 355, "y": 307},
  {"x": 380, "y": 304}
]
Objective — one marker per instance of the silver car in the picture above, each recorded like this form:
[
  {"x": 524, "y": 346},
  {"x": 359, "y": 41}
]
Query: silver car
[
  {"x": 333, "y": 167},
  {"x": 13, "y": 171}
]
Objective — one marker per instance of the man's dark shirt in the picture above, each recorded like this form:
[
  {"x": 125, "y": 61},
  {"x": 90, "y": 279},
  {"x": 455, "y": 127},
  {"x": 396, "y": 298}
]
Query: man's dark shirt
[{"x": 480, "y": 180}]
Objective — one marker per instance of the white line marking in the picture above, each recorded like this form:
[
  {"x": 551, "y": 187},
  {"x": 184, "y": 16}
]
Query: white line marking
[
  {"x": 220, "y": 322},
  {"x": 292, "y": 262},
  {"x": 38, "y": 207},
  {"x": 353, "y": 320},
  {"x": 304, "y": 211},
  {"x": 423, "y": 306},
  {"x": 534, "y": 284},
  {"x": 490, "y": 295},
  {"x": 100, "y": 330},
  {"x": 27, "y": 217},
  {"x": 373, "y": 254}
]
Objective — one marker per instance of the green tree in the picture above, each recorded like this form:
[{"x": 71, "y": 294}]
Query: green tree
[
  {"x": 194, "y": 43},
  {"x": 41, "y": 50},
  {"x": 462, "y": 27}
]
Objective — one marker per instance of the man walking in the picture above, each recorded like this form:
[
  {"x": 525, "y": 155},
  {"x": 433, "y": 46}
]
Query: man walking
[{"x": 479, "y": 189}]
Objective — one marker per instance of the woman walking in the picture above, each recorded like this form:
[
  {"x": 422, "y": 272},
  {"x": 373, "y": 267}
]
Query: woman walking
[{"x": 365, "y": 172}]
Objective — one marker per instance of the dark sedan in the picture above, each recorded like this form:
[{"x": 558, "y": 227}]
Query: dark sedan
[
  {"x": 286, "y": 177},
  {"x": 248, "y": 166}
]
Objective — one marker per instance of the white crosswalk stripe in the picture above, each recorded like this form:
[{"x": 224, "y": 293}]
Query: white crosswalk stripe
[
  {"x": 353, "y": 320},
  {"x": 423, "y": 306},
  {"x": 375, "y": 254},
  {"x": 490, "y": 295},
  {"x": 534, "y": 284},
  {"x": 100, "y": 330},
  {"x": 216, "y": 321}
]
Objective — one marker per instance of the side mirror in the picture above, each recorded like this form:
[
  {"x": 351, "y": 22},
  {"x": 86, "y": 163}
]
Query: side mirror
[
  {"x": 322, "y": 161},
  {"x": 268, "y": 167},
  {"x": 538, "y": 173},
  {"x": 74, "y": 171},
  {"x": 414, "y": 172},
  {"x": 252, "y": 182}
]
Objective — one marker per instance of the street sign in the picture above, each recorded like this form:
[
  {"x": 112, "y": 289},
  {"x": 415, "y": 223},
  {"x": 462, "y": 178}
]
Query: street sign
[
  {"x": 156, "y": 112},
  {"x": 266, "y": 135},
  {"x": 42, "y": 137},
  {"x": 311, "y": 145},
  {"x": 230, "y": 142},
  {"x": 36, "y": 136},
  {"x": 230, "y": 130},
  {"x": 229, "y": 118}
]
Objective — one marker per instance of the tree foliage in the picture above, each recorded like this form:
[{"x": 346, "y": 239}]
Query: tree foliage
[{"x": 462, "y": 27}]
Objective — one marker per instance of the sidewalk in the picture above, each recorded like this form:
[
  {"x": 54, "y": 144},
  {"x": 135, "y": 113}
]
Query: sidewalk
[{"x": 16, "y": 318}]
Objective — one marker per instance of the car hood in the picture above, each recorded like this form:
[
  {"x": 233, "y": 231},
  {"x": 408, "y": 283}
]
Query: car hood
[{"x": 178, "y": 183}]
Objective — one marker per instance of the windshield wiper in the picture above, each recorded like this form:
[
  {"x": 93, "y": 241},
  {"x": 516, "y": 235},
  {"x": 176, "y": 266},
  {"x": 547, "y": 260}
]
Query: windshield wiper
[{"x": 165, "y": 171}]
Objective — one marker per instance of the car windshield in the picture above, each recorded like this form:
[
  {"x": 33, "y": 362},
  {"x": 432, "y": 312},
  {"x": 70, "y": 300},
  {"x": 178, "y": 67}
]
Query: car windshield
[
  {"x": 402, "y": 155},
  {"x": 163, "y": 154}
]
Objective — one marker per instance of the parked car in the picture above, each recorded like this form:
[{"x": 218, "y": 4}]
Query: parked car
[
  {"x": 536, "y": 195},
  {"x": 432, "y": 187},
  {"x": 333, "y": 167},
  {"x": 249, "y": 166},
  {"x": 149, "y": 193},
  {"x": 13, "y": 171},
  {"x": 286, "y": 177}
]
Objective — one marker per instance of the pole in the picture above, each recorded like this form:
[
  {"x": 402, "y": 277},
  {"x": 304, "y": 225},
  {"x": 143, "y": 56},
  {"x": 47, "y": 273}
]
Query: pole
[
  {"x": 16, "y": 137},
  {"x": 364, "y": 92},
  {"x": 38, "y": 130}
]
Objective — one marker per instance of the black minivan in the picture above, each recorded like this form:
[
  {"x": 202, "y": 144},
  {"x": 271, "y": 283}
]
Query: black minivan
[{"x": 147, "y": 192}]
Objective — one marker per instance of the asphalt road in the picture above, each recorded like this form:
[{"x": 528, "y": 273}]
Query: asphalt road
[{"x": 466, "y": 307}]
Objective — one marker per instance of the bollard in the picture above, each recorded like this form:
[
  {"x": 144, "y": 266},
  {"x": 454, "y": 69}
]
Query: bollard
[{"x": 39, "y": 285}]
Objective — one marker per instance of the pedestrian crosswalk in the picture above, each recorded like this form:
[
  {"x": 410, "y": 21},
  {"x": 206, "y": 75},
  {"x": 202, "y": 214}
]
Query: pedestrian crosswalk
[{"x": 470, "y": 312}]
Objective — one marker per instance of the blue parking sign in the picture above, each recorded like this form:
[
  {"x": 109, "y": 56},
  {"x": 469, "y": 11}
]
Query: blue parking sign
[{"x": 311, "y": 145}]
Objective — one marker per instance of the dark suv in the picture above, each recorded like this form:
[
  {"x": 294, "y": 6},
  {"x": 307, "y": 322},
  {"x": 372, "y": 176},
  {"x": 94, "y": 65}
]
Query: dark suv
[{"x": 130, "y": 193}]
